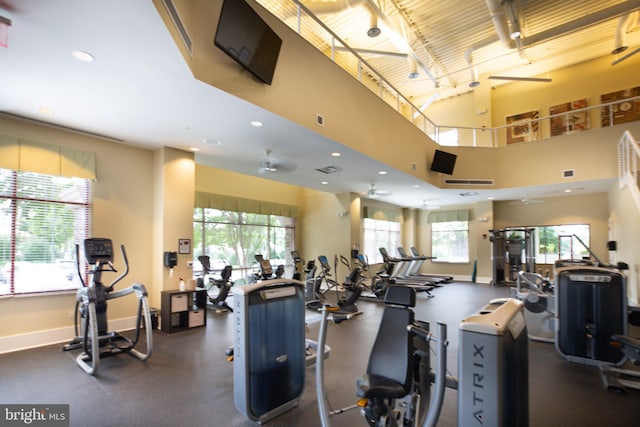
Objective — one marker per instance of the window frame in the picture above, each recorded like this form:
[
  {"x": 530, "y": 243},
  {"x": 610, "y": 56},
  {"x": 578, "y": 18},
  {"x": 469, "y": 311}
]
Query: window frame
[
  {"x": 549, "y": 258},
  {"x": 243, "y": 219},
  {"x": 435, "y": 252}
]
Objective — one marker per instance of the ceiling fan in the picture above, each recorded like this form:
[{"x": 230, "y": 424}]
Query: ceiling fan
[
  {"x": 269, "y": 164},
  {"x": 373, "y": 193}
]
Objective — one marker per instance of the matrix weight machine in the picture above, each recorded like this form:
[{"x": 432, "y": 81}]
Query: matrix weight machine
[
  {"x": 400, "y": 388},
  {"x": 92, "y": 334}
]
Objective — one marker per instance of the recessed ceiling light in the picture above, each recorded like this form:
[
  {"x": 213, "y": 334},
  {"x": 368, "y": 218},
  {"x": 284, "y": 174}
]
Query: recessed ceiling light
[
  {"x": 382, "y": 173},
  {"x": 47, "y": 111},
  {"x": 490, "y": 198},
  {"x": 256, "y": 123},
  {"x": 324, "y": 183},
  {"x": 212, "y": 141},
  {"x": 469, "y": 193},
  {"x": 416, "y": 185},
  {"x": 83, "y": 56},
  {"x": 336, "y": 154},
  {"x": 194, "y": 149},
  {"x": 568, "y": 190}
]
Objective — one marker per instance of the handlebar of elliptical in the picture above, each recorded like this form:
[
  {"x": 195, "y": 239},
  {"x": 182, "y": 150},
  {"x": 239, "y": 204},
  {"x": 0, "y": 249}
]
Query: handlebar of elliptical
[
  {"x": 84, "y": 285},
  {"x": 435, "y": 406},
  {"x": 345, "y": 261},
  {"x": 97, "y": 268},
  {"x": 126, "y": 268}
]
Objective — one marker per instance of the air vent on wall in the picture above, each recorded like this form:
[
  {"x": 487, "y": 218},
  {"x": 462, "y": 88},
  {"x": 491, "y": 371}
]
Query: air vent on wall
[
  {"x": 468, "y": 182},
  {"x": 175, "y": 17},
  {"x": 568, "y": 173}
]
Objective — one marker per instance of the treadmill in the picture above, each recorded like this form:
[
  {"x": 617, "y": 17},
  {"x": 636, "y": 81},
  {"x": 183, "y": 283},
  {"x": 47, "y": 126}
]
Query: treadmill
[
  {"x": 414, "y": 271},
  {"x": 394, "y": 267}
]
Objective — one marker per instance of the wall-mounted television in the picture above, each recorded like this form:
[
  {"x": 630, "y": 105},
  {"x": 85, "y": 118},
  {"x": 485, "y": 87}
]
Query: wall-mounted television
[
  {"x": 244, "y": 36},
  {"x": 443, "y": 162}
]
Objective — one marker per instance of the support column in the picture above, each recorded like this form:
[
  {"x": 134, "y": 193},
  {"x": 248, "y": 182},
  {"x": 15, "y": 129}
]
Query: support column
[{"x": 174, "y": 193}]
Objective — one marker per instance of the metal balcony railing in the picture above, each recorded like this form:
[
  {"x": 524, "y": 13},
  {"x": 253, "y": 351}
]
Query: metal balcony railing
[{"x": 311, "y": 28}]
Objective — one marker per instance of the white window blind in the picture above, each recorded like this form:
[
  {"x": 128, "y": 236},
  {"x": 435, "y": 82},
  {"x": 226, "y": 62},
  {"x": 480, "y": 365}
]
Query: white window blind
[{"x": 42, "y": 218}]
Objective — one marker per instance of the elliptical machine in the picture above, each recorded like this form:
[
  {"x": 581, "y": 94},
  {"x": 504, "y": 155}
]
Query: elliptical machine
[
  {"x": 92, "y": 335},
  {"x": 345, "y": 299}
]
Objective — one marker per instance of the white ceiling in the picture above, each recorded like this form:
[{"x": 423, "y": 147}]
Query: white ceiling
[
  {"x": 442, "y": 36},
  {"x": 139, "y": 91}
]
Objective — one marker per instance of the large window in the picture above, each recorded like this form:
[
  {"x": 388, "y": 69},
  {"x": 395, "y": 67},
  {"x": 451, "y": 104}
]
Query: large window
[
  {"x": 42, "y": 218},
  {"x": 380, "y": 234},
  {"x": 236, "y": 237},
  {"x": 559, "y": 242},
  {"x": 450, "y": 241}
]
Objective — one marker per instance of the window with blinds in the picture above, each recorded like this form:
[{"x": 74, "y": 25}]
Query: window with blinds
[
  {"x": 42, "y": 218},
  {"x": 450, "y": 241},
  {"x": 230, "y": 237},
  {"x": 380, "y": 234}
]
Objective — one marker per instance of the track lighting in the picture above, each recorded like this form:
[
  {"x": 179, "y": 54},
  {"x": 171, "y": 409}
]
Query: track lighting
[
  {"x": 413, "y": 69},
  {"x": 468, "y": 56},
  {"x": 621, "y": 34},
  {"x": 374, "y": 30}
]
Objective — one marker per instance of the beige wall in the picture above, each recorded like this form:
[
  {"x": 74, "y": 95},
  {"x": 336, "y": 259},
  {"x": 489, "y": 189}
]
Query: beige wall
[
  {"x": 324, "y": 231},
  {"x": 218, "y": 181},
  {"x": 174, "y": 183}
]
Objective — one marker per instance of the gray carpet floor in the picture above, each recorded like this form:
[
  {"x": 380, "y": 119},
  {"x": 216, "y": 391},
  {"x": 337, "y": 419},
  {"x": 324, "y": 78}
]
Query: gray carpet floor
[{"x": 187, "y": 381}]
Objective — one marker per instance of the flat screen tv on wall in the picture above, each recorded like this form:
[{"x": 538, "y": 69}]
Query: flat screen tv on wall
[
  {"x": 443, "y": 162},
  {"x": 244, "y": 36}
]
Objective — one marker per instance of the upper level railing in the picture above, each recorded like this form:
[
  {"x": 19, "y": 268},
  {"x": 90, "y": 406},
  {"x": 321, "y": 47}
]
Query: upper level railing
[
  {"x": 521, "y": 128},
  {"x": 536, "y": 128}
]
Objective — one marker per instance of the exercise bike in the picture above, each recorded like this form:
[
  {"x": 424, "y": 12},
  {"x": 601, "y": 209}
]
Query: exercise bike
[
  {"x": 92, "y": 335},
  {"x": 266, "y": 271},
  {"x": 223, "y": 283},
  {"x": 396, "y": 390},
  {"x": 346, "y": 294}
]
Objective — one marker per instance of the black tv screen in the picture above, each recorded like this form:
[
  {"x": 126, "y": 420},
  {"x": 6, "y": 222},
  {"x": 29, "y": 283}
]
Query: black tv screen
[
  {"x": 443, "y": 162},
  {"x": 244, "y": 36}
]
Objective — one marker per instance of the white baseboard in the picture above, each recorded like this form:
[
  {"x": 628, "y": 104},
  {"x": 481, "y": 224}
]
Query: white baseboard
[{"x": 41, "y": 338}]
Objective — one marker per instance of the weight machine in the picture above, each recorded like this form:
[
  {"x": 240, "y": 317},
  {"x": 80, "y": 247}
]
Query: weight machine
[{"x": 510, "y": 247}]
